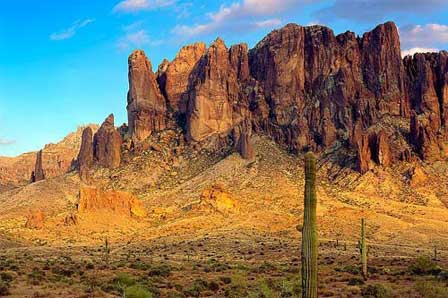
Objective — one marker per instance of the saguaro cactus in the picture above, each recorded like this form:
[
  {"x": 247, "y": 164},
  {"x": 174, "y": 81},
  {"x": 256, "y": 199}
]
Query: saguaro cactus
[
  {"x": 309, "y": 231},
  {"x": 363, "y": 249}
]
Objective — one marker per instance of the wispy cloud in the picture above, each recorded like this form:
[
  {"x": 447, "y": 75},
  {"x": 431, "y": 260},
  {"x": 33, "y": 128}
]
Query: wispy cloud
[
  {"x": 70, "y": 31},
  {"x": 127, "y": 6},
  {"x": 365, "y": 11},
  {"x": 4, "y": 142},
  {"x": 428, "y": 35},
  {"x": 244, "y": 14},
  {"x": 135, "y": 37}
]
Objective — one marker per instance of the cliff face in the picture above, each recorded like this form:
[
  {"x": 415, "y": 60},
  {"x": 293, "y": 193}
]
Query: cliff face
[{"x": 308, "y": 88}]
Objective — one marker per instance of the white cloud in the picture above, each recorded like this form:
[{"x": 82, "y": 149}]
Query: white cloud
[
  {"x": 268, "y": 23},
  {"x": 365, "y": 11},
  {"x": 4, "y": 142},
  {"x": 71, "y": 31},
  {"x": 425, "y": 36},
  {"x": 243, "y": 14},
  {"x": 138, "y": 5},
  {"x": 417, "y": 50},
  {"x": 138, "y": 38}
]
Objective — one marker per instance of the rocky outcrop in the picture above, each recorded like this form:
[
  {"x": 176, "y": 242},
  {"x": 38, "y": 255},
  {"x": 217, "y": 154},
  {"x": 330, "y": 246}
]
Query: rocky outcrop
[
  {"x": 174, "y": 77},
  {"x": 146, "y": 105},
  {"x": 85, "y": 156},
  {"x": 107, "y": 145},
  {"x": 38, "y": 174},
  {"x": 35, "y": 220},
  {"x": 114, "y": 202},
  {"x": 428, "y": 92},
  {"x": 306, "y": 88},
  {"x": 214, "y": 89}
]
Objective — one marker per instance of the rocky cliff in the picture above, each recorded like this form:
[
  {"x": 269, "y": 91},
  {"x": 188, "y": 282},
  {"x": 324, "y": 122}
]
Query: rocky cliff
[{"x": 306, "y": 88}]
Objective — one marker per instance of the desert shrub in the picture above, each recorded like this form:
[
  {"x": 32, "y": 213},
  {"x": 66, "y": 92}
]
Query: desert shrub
[
  {"x": 291, "y": 288},
  {"x": 196, "y": 288},
  {"x": 265, "y": 290},
  {"x": 140, "y": 266},
  {"x": 431, "y": 289},
  {"x": 163, "y": 270},
  {"x": 6, "y": 277},
  {"x": 4, "y": 288},
  {"x": 355, "y": 281},
  {"x": 238, "y": 287},
  {"x": 225, "y": 279},
  {"x": 123, "y": 279},
  {"x": 424, "y": 265},
  {"x": 443, "y": 275},
  {"x": 213, "y": 286},
  {"x": 137, "y": 291},
  {"x": 376, "y": 291},
  {"x": 349, "y": 269}
]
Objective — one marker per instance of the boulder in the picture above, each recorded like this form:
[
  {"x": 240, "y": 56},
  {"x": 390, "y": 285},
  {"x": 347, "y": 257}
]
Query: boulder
[{"x": 35, "y": 220}]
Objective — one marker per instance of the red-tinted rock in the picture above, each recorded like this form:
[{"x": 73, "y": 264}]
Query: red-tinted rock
[
  {"x": 38, "y": 174},
  {"x": 174, "y": 77},
  {"x": 107, "y": 145},
  {"x": 85, "y": 156},
  {"x": 146, "y": 105},
  {"x": 35, "y": 220},
  {"x": 214, "y": 90}
]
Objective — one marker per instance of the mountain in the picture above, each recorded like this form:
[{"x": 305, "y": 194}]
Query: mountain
[
  {"x": 57, "y": 160},
  {"x": 201, "y": 192}
]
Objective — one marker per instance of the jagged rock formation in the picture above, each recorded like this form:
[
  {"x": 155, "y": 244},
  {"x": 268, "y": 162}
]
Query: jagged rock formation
[
  {"x": 57, "y": 159},
  {"x": 305, "y": 87},
  {"x": 118, "y": 202},
  {"x": 38, "y": 174},
  {"x": 107, "y": 145},
  {"x": 85, "y": 156},
  {"x": 146, "y": 105}
]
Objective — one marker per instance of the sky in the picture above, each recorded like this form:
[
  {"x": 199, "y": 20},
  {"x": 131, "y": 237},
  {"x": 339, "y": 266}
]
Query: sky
[{"x": 64, "y": 63}]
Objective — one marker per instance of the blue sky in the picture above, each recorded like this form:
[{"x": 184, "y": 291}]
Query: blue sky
[{"x": 64, "y": 63}]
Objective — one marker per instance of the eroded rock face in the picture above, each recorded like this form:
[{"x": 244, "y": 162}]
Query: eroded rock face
[
  {"x": 115, "y": 202},
  {"x": 214, "y": 90},
  {"x": 146, "y": 105},
  {"x": 107, "y": 145},
  {"x": 308, "y": 89},
  {"x": 38, "y": 174},
  {"x": 85, "y": 156},
  {"x": 174, "y": 77}
]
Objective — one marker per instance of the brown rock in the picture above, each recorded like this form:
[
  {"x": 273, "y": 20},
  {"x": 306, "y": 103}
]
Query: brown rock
[
  {"x": 35, "y": 220},
  {"x": 85, "y": 156},
  {"x": 215, "y": 88},
  {"x": 174, "y": 77},
  {"x": 115, "y": 202},
  {"x": 107, "y": 145},
  {"x": 146, "y": 105},
  {"x": 38, "y": 174}
]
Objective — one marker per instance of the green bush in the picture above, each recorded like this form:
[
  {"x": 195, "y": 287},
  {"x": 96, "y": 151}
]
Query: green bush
[
  {"x": 355, "y": 281},
  {"x": 123, "y": 279},
  {"x": 162, "y": 270},
  {"x": 376, "y": 291},
  {"x": 431, "y": 289},
  {"x": 137, "y": 291},
  {"x": 424, "y": 265}
]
